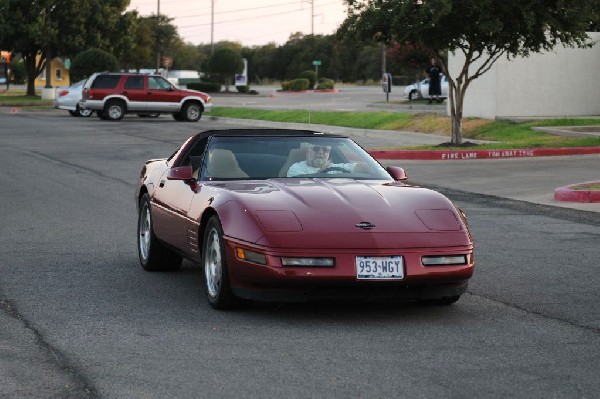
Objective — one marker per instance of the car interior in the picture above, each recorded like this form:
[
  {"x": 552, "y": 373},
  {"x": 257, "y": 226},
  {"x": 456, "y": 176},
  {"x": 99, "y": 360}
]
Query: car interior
[{"x": 233, "y": 158}]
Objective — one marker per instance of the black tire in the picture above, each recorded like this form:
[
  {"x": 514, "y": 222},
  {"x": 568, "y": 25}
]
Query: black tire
[
  {"x": 192, "y": 112},
  {"x": 413, "y": 95},
  {"x": 101, "y": 115},
  {"x": 83, "y": 112},
  {"x": 154, "y": 255},
  {"x": 114, "y": 110},
  {"x": 74, "y": 113},
  {"x": 178, "y": 117},
  {"x": 216, "y": 278}
]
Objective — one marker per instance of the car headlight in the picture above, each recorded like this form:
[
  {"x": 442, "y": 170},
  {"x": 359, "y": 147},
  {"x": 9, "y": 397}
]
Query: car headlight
[
  {"x": 308, "y": 262},
  {"x": 251, "y": 256},
  {"x": 444, "y": 260}
]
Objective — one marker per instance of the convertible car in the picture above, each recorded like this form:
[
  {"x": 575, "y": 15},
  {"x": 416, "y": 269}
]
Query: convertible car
[{"x": 289, "y": 215}]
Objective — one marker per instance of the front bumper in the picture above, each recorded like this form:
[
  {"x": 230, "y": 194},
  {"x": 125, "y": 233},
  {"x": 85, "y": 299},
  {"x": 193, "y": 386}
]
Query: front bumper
[{"x": 274, "y": 282}]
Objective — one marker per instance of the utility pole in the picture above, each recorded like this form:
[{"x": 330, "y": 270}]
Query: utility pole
[
  {"x": 157, "y": 28},
  {"x": 312, "y": 15},
  {"x": 212, "y": 27}
]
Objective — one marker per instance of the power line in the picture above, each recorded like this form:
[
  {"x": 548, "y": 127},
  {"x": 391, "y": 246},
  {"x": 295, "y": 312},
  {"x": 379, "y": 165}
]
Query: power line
[{"x": 252, "y": 17}]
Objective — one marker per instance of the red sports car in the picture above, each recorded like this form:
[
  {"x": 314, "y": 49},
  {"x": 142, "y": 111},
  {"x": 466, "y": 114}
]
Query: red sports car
[{"x": 289, "y": 215}]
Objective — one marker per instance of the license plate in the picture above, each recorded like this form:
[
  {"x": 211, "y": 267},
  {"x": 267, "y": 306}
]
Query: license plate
[{"x": 379, "y": 267}]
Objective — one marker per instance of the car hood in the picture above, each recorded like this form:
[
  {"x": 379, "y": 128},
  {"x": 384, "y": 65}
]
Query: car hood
[{"x": 348, "y": 213}]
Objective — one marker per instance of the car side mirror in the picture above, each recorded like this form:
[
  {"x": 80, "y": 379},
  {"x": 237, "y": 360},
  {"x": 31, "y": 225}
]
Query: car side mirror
[
  {"x": 180, "y": 173},
  {"x": 397, "y": 173}
]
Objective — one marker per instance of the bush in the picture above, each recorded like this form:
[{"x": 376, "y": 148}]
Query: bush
[
  {"x": 243, "y": 89},
  {"x": 90, "y": 61},
  {"x": 295, "y": 85},
  {"x": 311, "y": 76},
  {"x": 207, "y": 87},
  {"x": 325, "y": 84}
]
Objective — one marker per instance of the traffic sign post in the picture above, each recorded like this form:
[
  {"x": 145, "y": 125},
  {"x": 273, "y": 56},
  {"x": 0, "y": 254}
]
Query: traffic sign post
[
  {"x": 316, "y": 63},
  {"x": 386, "y": 82}
]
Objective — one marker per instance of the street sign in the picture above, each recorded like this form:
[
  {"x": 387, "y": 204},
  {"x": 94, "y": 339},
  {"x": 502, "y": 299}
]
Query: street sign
[
  {"x": 67, "y": 63},
  {"x": 386, "y": 82},
  {"x": 317, "y": 63}
]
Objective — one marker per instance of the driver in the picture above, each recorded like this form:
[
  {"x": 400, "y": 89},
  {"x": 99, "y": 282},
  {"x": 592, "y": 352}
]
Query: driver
[{"x": 317, "y": 161}]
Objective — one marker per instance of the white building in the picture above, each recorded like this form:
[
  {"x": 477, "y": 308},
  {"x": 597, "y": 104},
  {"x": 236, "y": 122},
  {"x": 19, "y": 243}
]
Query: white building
[{"x": 561, "y": 83}]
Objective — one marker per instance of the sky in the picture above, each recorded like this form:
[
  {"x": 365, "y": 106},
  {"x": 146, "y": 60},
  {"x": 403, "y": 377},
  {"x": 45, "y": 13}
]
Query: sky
[{"x": 250, "y": 22}]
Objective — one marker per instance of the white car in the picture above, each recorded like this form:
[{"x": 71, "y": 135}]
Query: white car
[
  {"x": 68, "y": 98},
  {"x": 421, "y": 89}
]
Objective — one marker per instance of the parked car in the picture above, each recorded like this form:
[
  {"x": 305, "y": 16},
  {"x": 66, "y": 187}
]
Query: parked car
[
  {"x": 349, "y": 229},
  {"x": 68, "y": 98},
  {"x": 421, "y": 89},
  {"x": 112, "y": 95}
]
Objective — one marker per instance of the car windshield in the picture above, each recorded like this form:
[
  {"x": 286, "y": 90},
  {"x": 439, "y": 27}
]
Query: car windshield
[{"x": 260, "y": 157}]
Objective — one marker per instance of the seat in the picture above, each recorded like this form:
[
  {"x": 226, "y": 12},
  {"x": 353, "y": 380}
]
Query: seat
[
  {"x": 223, "y": 164},
  {"x": 295, "y": 155}
]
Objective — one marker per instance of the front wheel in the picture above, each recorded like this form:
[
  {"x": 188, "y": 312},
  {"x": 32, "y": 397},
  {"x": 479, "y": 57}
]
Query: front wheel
[
  {"x": 413, "y": 95},
  {"x": 154, "y": 255},
  {"x": 218, "y": 291}
]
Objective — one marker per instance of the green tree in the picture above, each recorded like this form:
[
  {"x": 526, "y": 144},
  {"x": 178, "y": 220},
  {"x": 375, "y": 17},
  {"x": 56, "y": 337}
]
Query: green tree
[
  {"x": 90, "y": 61},
  {"x": 141, "y": 55},
  {"x": 482, "y": 30},
  {"x": 186, "y": 56},
  {"x": 42, "y": 29},
  {"x": 164, "y": 35},
  {"x": 405, "y": 59},
  {"x": 226, "y": 62},
  {"x": 262, "y": 62}
]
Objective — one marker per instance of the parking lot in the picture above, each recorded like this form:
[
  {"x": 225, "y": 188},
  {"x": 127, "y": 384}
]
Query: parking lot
[{"x": 80, "y": 318}]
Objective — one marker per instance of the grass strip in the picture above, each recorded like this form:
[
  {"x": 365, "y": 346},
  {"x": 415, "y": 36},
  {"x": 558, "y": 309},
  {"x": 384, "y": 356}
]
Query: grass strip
[{"x": 505, "y": 134}]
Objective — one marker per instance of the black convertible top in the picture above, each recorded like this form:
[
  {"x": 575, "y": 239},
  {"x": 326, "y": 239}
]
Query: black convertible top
[{"x": 264, "y": 132}]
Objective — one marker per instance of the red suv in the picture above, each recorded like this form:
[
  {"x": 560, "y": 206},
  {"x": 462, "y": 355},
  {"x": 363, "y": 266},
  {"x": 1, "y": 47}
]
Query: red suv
[{"x": 112, "y": 95}]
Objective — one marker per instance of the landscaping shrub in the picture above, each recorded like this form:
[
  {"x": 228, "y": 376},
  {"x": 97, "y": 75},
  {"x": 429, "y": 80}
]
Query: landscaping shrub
[
  {"x": 299, "y": 84},
  {"x": 311, "y": 76},
  {"x": 243, "y": 89},
  {"x": 325, "y": 84},
  {"x": 207, "y": 87}
]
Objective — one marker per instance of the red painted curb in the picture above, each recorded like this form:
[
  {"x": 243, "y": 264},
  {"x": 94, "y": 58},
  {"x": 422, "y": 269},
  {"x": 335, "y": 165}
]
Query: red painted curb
[
  {"x": 445, "y": 155},
  {"x": 568, "y": 194}
]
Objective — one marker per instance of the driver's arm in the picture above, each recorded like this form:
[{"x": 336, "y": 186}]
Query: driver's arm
[{"x": 299, "y": 168}]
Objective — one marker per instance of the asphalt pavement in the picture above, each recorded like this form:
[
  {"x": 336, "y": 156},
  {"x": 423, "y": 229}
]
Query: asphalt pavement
[{"x": 523, "y": 175}]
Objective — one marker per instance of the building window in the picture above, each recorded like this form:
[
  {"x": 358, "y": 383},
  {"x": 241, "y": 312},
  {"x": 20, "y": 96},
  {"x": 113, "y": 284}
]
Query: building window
[{"x": 58, "y": 74}]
